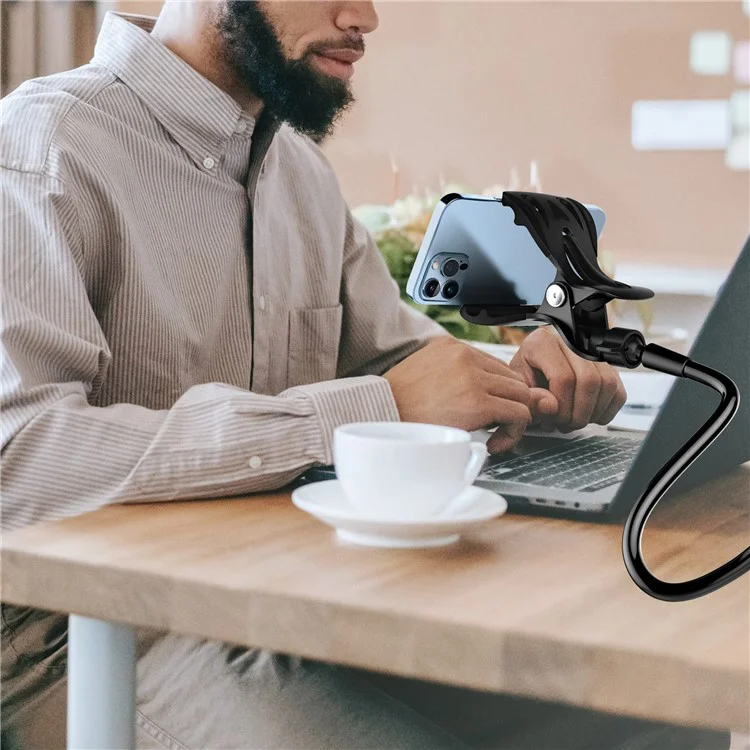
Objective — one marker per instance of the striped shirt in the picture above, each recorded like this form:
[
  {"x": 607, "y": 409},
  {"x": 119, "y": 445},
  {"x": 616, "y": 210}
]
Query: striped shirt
[{"x": 189, "y": 308}]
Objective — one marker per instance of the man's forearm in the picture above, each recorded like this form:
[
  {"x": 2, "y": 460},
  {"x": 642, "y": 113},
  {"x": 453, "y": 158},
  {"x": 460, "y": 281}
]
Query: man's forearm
[{"x": 216, "y": 440}]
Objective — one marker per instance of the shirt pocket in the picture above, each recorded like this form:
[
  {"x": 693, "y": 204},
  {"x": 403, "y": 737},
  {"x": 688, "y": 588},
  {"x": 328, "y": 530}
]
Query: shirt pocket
[{"x": 314, "y": 335}]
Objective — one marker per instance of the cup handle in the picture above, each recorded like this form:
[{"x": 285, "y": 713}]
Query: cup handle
[
  {"x": 478, "y": 456},
  {"x": 476, "y": 461}
]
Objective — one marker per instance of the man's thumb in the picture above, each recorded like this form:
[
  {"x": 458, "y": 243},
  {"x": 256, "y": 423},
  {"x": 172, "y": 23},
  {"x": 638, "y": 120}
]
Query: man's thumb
[{"x": 543, "y": 402}]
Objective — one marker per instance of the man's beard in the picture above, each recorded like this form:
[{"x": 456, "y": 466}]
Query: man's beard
[{"x": 291, "y": 90}]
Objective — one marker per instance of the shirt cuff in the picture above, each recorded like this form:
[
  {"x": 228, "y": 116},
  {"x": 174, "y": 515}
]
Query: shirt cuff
[{"x": 339, "y": 402}]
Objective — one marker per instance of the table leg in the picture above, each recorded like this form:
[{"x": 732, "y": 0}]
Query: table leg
[{"x": 101, "y": 685}]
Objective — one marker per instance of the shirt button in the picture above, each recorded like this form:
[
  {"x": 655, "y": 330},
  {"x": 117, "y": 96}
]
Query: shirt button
[
  {"x": 208, "y": 163},
  {"x": 262, "y": 302},
  {"x": 240, "y": 127},
  {"x": 255, "y": 462}
]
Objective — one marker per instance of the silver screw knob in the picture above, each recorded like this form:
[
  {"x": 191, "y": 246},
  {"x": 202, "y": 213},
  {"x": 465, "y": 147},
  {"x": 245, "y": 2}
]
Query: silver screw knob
[{"x": 555, "y": 295}]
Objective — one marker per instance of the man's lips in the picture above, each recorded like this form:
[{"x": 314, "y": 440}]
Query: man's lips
[
  {"x": 343, "y": 55},
  {"x": 337, "y": 62}
]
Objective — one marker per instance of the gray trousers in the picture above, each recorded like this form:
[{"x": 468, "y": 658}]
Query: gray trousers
[{"x": 199, "y": 694}]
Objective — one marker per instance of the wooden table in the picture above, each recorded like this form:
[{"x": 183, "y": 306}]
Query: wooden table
[{"x": 531, "y": 606}]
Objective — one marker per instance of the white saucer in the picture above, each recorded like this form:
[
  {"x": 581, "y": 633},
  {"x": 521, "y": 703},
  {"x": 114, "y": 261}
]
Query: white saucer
[{"x": 328, "y": 503}]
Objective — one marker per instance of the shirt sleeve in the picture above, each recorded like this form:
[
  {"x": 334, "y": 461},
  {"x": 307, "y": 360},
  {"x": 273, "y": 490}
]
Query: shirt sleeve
[
  {"x": 379, "y": 329},
  {"x": 61, "y": 455}
]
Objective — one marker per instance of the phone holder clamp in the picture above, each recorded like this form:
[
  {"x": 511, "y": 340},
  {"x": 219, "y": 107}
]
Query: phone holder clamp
[{"x": 575, "y": 304}]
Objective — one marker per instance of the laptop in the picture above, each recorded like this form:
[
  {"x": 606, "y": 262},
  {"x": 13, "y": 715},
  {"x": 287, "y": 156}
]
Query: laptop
[
  {"x": 598, "y": 473},
  {"x": 602, "y": 472}
]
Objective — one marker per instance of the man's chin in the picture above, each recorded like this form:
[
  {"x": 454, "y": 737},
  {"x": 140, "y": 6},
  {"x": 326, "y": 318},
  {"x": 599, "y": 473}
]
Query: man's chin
[
  {"x": 305, "y": 97},
  {"x": 324, "y": 75}
]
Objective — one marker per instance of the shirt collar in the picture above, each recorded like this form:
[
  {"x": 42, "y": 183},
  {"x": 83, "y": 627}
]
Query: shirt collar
[{"x": 198, "y": 115}]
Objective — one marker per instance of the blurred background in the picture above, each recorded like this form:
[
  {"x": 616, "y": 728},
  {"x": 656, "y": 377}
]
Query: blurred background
[{"x": 639, "y": 107}]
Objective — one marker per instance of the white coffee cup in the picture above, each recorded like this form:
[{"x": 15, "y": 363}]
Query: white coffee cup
[{"x": 404, "y": 470}]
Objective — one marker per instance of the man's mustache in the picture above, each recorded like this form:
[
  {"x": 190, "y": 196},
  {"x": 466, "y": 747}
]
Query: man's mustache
[{"x": 352, "y": 42}]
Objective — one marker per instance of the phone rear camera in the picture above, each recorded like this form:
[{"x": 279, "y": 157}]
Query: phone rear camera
[
  {"x": 431, "y": 287},
  {"x": 450, "y": 267},
  {"x": 450, "y": 290}
]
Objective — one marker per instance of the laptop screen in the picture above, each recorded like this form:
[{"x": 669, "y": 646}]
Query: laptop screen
[{"x": 724, "y": 344}]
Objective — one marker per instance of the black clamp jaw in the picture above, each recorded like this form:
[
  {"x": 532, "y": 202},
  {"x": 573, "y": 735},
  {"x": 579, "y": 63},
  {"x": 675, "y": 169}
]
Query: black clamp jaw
[{"x": 575, "y": 303}]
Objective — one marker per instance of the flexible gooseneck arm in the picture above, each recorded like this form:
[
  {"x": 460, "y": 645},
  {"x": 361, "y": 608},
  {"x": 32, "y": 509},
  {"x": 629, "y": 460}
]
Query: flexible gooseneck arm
[
  {"x": 575, "y": 304},
  {"x": 654, "y": 358}
]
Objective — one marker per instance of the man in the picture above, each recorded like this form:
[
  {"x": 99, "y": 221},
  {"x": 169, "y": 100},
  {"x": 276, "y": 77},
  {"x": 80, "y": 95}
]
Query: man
[{"x": 189, "y": 311}]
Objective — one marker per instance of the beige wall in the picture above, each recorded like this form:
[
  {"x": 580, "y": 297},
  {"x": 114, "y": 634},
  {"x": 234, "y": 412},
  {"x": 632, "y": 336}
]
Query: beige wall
[{"x": 470, "y": 89}]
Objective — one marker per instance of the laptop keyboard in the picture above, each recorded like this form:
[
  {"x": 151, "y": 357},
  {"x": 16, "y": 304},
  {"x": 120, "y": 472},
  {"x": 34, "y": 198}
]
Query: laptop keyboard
[{"x": 586, "y": 464}]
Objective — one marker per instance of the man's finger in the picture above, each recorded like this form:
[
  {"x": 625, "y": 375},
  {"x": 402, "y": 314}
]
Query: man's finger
[
  {"x": 520, "y": 366},
  {"x": 500, "y": 442},
  {"x": 512, "y": 422},
  {"x": 609, "y": 412},
  {"x": 587, "y": 387},
  {"x": 502, "y": 386},
  {"x": 493, "y": 364},
  {"x": 511, "y": 415},
  {"x": 547, "y": 356},
  {"x": 543, "y": 405},
  {"x": 607, "y": 392}
]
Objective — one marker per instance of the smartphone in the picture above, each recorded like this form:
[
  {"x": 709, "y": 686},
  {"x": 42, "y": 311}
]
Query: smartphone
[{"x": 474, "y": 254}]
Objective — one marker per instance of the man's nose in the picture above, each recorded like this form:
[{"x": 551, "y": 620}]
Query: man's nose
[{"x": 357, "y": 15}]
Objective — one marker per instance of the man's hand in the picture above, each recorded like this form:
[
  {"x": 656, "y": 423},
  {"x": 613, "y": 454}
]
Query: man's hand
[
  {"x": 451, "y": 383},
  {"x": 568, "y": 392}
]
